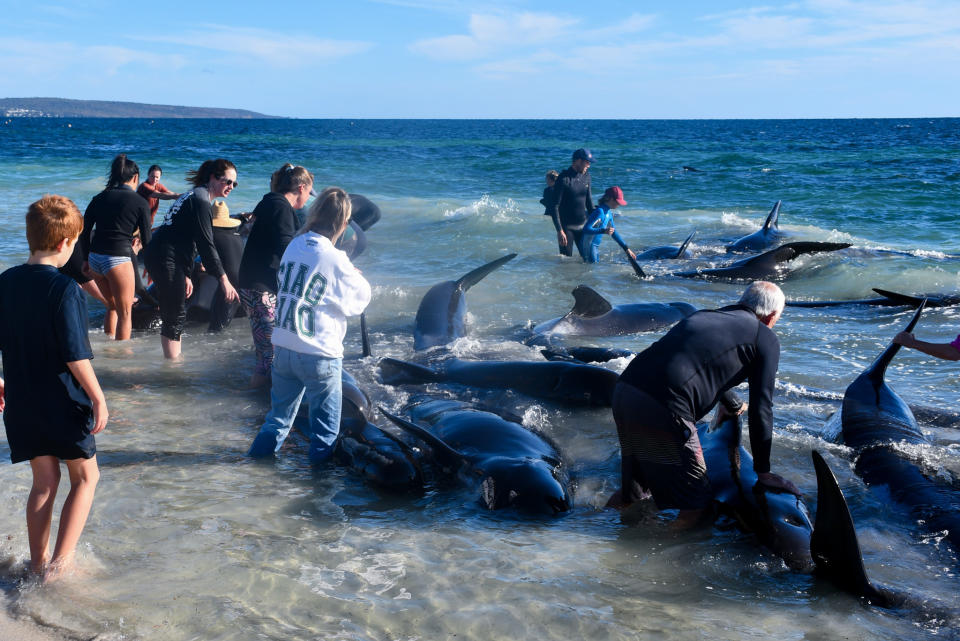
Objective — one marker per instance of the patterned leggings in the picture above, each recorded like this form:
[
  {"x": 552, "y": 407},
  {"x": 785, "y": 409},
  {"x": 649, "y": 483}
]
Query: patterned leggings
[{"x": 261, "y": 307}]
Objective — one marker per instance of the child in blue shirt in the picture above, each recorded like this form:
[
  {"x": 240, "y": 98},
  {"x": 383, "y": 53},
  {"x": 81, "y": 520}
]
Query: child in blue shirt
[
  {"x": 600, "y": 222},
  {"x": 51, "y": 400}
]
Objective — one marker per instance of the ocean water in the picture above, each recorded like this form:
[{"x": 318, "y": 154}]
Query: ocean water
[{"x": 189, "y": 540}]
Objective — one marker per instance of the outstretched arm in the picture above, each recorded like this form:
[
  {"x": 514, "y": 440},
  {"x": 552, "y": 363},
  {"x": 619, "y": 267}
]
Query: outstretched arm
[{"x": 946, "y": 351}]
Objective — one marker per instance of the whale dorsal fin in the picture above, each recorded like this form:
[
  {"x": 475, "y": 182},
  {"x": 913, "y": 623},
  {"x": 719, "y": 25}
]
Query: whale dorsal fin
[
  {"x": 683, "y": 245},
  {"x": 364, "y": 336},
  {"x": 588, "y": 303},
  {"x": 833, "y": 544},
  {"x": 437, "y": 444},
  {"x": 878, "y": 369},
  {"x": 906, "y": 299},
  {"x": 470, "y": 279},
  {"x": 772, "y": 221}
]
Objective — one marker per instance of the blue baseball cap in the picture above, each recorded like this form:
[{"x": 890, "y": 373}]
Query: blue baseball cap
[{"x": 583, "y": 154}]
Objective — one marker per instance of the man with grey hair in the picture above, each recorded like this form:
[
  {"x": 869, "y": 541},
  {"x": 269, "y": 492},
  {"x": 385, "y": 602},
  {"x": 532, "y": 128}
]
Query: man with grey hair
[{"x": 673, "y": 383}]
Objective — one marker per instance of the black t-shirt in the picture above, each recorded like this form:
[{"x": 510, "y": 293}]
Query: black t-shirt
[
  {"x": 43, "y": 326},
  {"x": 116, "y": 213},
  {"x": 702, "y": 357},
  {"x": 276, "y": 223},
  {"x": 186, "y": 230}
]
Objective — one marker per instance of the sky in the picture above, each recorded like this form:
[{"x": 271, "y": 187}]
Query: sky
[{"x": 494, "y": 59}]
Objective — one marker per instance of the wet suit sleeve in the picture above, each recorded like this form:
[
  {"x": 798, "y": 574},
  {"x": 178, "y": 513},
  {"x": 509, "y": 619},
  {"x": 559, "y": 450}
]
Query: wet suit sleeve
[
  {"x": 762, "y": 379},
  {"x": 143, "y": 223},
  {"x": 595, "y": 223},
  {"x": 202, "y": 222},
  {"x": 619, "y": 239},
  {"x": 559, "y": 189}
]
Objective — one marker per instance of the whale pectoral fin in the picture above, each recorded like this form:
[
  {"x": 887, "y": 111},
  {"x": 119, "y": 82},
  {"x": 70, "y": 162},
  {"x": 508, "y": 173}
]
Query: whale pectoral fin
[
  {"x": 440, "y": 448},
  {"x": 833, "y": 544},
  {"x": 878, "y": 368},
  {"x": 588, "y": 303},
  {"x": 364, "y": 336},
  {"x": 470, "y": 279}
]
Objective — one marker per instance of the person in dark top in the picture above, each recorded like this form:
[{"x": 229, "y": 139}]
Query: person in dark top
[
  {"x": 112, "y": 217},
  {"x": 572, "y": 202},
  {"x": 154, "y": 191},
  {"x": 230, "y": 248},
  {"x": 187, "y": 230},
  {"x": 547, "y": 200},
  {"x": 275, "y": 224},
  {"x": 51, "y": 400},
  {"x": 74, "y": 269},
  {"x": 673, "y": 383}
]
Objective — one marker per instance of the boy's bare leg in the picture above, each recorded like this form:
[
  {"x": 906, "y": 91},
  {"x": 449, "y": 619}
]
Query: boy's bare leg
[
  {"x": 171, "y": 348},
  {"x": 121, "y": 279},
  {"x": 84, "y": 475},
  {"x": 46, "y": 478}
]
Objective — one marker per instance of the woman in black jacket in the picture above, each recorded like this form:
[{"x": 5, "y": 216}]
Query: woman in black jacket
[{"x": 186, "y": 230}]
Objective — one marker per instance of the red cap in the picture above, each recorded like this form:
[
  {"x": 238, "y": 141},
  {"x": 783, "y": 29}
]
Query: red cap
[{"x": 614, "y": 193}]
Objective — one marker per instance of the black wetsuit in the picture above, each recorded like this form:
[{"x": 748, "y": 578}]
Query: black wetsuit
[
  {"x": 116, "y": 213},
  {"x": 572, "y": 202},
  {"x": 547, "y": 201},
  {"x": 700, "y": 359}
]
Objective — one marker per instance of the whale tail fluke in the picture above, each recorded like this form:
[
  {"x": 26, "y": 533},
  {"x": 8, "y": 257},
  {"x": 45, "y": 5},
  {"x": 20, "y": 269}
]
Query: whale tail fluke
[
  {"x": 470, "y": 279},
  {"x": 396, "y": 372},
  {"x": 772, "y": 221},
  {"x": 588, "y": 303},
  {"x": 683, "y": 245},
  {"x": 834, "y": 545},
  {"x": 878, "y": 369}
]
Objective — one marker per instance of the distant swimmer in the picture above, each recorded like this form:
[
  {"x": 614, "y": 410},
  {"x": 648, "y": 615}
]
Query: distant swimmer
[
  {"x": 154, "y": 191},
  {"x": 946, "y": 351},
  {"x": 572, "y": 201},
  {"x": 600, "y": 223},
  {"x": 547, "y": 200}
]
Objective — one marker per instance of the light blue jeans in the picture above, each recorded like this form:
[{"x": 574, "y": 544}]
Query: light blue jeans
[{"x": 295, "y": 374}]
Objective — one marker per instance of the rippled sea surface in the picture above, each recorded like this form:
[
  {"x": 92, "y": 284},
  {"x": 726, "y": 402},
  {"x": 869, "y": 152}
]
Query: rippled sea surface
[{"x": 189, "y": 540}]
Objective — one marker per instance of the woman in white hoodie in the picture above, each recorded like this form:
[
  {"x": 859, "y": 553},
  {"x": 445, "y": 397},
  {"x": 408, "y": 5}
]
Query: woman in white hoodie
[{"x": 318, "y": 287}]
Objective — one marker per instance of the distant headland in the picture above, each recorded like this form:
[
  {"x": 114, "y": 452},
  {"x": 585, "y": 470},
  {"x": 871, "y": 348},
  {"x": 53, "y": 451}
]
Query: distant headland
[{"x": 66, "y": 108}]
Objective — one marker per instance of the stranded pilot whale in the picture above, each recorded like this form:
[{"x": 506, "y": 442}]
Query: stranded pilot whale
[
  {"x": 876, "y": 423},
  {"x": 763, "y": 266},
  {"x": 765, "y": 237},
  {"x": 593, "y": 315},
  {"x": 564, "y": 382},
  {"x": 887, "y": 299},
  {"x": 516, "y": 467},
  {"x": 778, "y": 519},
  {"x": 440, "y": 315},
  {"x": 667, "y": 252}
]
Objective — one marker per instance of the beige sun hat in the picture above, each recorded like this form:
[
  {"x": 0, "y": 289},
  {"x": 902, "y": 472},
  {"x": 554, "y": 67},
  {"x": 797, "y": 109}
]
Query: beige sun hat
[{"x": 221, "y": 215}]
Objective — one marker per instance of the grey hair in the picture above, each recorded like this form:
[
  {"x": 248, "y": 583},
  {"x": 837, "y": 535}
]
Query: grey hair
[{"x": 763, "y": 297}]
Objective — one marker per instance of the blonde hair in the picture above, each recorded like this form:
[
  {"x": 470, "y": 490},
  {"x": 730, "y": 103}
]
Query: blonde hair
[
  {"x": 329, "y": 213},
  {"x": 50, "y": 220}
]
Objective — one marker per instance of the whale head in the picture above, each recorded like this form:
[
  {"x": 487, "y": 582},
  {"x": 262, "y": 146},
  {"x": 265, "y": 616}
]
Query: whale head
[{"x": 527, "y": 484}]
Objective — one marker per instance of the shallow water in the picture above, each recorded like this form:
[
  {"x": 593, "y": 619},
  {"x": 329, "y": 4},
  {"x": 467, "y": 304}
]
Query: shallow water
[{"x": 190, "y": 540}]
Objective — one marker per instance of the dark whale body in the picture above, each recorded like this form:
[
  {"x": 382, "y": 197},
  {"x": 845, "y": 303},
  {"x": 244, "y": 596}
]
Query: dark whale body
[
  {"x": 887, "y": 299},
  {"x": 778, "y": 519},
  {"x": 764, "y": 238},
  {"x": 875, "y": 420},
  {"x": 516, "y": 467},
  {"x": 667, "y": 252},
  {"x": 563, "y": 382},
  {"x": 763, "y": 266},
  {"x": 593, "y": 315},
  {"x": 440, "y": 317}
]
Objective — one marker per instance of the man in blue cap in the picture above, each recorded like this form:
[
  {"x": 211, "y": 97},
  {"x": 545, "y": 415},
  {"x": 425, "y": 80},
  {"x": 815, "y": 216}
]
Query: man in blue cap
[{"x": 572, "y": 202}]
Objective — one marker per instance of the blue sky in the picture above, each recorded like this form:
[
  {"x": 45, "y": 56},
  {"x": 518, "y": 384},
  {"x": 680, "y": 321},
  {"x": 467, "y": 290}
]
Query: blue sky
[{"x": 496, "y": 59}]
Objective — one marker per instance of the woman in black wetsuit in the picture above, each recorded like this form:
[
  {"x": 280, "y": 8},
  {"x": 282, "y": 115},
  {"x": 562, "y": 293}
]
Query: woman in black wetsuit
[
  {"x": 115, "y": 214},
  {"x": 186, "y": 230}
]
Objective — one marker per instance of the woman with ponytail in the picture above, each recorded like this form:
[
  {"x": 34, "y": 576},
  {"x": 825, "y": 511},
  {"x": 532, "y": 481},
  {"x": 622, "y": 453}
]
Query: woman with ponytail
[{"x": 113, "y": 217}]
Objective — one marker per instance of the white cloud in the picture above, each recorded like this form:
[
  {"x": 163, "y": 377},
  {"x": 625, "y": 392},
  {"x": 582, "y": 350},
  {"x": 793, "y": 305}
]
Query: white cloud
[
  {"x": 492, "y": 34},
  {"x": 274, "y": 48},
  {"x": 25, "y": 58}
]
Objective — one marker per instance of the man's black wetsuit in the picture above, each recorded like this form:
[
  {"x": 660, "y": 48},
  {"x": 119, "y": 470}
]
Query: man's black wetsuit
[
  {"x": 675, "y": 382},
  {"x": 572, "y": 202}
]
